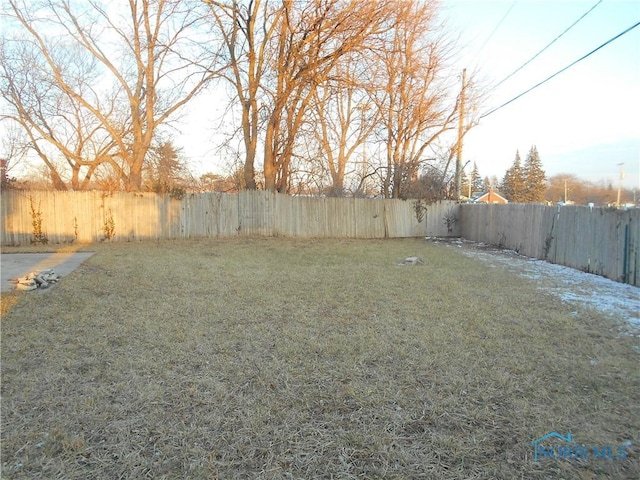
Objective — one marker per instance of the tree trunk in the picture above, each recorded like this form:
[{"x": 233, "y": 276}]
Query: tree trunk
[
  {"x": 269, "y": 161},
  {"x": 249, "y": 172},
  {"x": 250, "y": 130},
  {"x": 337, "y": 188},
  {"x": 57, "y": 181}
]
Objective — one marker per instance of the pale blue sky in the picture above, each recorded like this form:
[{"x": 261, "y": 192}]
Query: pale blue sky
[{"x": 584, "y": 121}]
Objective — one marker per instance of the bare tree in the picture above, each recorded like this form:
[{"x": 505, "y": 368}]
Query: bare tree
[
  {"x": 46, "y": 114},
  {"x": 417, "y": 92},
  {"x": 312, "y": 39},
  {"x": 107, "y": 79},
  {"x": 437, "y": 178},
  {"x": 344, "y": 117},
  {"x": 246, "y": 29},
  {"x": 279, "y": 53},
  {"x": 13, "y": 153},
  {"x": 338, "y": 73},
  {"x": 412, "y": 97}
]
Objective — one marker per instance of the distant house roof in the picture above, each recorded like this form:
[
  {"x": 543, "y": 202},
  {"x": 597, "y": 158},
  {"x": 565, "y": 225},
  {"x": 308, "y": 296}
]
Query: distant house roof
[{"x": 490, "y": 197}]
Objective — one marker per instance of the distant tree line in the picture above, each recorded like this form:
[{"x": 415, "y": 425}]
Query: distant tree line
[
  {"x": 521, "y": 183},
  {"x": 569, "y": 188},
  {"x": 528, "y": 183}
]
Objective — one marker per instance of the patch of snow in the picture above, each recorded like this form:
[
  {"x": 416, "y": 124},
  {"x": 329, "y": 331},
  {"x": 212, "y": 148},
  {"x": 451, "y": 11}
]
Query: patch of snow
[{"x": 575, "y": 287}]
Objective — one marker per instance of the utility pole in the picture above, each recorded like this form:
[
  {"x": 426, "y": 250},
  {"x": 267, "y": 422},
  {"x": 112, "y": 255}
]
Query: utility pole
[
  {"x": 620, "y": 184},
  {"x": 460, "y": 134}
]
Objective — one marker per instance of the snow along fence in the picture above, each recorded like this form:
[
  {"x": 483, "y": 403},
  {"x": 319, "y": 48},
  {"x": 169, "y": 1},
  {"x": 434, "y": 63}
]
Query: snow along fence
[
  {"x": 93, "y": 216},
  {"x": 598, "y": 240}
]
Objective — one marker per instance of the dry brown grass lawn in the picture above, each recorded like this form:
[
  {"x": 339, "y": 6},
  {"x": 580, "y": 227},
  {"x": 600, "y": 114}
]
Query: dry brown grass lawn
[{"x": 280, "y": 358}]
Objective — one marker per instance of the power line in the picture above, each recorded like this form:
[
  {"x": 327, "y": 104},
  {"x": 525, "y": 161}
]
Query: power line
[
  {"x": 497, "y": 26},
  {"x": 560, "y": 71},
  {"x": 545, "y": 48}
]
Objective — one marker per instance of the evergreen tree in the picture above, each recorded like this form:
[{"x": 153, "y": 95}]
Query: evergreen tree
[
  {"x": 513, "y": 184},
  {"x": 535, "y": 178},
  {"x": 486, "y": 184},
  {"x": 476, "y": 179},
  {"x": 464, "y": 183},
  {"x": 166, "y": 170}
]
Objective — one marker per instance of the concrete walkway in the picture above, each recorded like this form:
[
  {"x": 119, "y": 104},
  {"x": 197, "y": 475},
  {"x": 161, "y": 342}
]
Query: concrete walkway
[{"x": 15, "y": 265}]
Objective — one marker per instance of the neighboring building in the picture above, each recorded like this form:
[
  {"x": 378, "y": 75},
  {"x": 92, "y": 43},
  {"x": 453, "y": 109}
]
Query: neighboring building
[{"x": 489, "y": 197}]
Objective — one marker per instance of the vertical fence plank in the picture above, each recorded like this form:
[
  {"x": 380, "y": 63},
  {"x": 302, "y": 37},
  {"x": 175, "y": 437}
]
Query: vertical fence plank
[
  {"x": 83, "y": 216},
  {"x": 605, "y": 242}
]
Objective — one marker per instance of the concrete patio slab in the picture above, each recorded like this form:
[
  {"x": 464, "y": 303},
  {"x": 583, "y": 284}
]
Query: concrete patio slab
[{"x": 15, "y": 265}]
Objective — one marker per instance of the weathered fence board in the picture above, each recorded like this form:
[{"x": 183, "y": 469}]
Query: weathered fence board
[
  {"x": 606, "y": 242},
  {"x": 601, "y": 241},
  {"x": 85, "y": 216}
]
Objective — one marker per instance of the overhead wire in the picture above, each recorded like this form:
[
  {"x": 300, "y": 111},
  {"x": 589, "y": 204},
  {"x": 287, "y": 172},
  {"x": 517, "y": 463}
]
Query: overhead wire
[
  {"x": 497, "y": 26},
  {"x": 562, "y": 70},
  {"x": 546, "y": 47}
]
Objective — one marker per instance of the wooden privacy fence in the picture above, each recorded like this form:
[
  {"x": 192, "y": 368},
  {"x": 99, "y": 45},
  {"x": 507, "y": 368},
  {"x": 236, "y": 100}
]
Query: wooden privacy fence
[
  {"x": 597, "y": 240},
  {"x": 602, "y": 241},
  {"x": 93, "y": 216}
]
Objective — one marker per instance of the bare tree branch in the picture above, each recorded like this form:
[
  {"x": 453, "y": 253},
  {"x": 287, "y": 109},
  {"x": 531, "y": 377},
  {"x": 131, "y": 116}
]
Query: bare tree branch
[{"x": 138, "y": 67}]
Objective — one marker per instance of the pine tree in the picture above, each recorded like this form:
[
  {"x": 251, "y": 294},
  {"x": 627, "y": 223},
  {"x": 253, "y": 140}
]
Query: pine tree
[
  {"x": 464, "y": 182},
  {"x": 476, "y": 179},
  {"x": 165, "y": 169},
  {"x": 535, "y": 178},
  {"x": 513, "y": 184}
]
